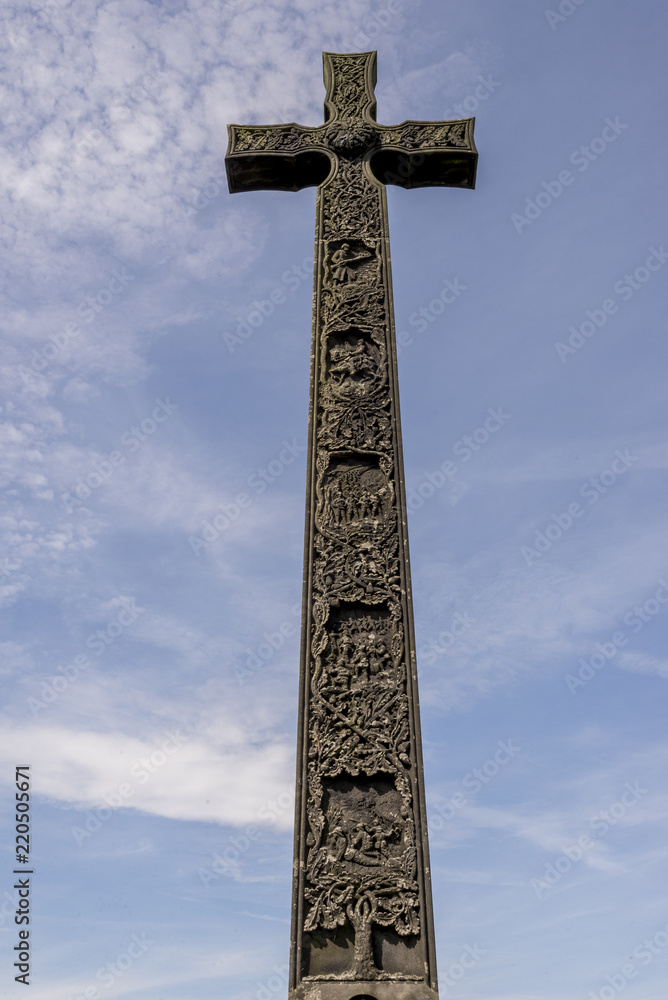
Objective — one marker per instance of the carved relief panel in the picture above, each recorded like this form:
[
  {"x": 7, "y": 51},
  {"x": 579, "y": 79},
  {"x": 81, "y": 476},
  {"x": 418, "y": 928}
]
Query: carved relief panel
[{"x": 362, "y": 891}]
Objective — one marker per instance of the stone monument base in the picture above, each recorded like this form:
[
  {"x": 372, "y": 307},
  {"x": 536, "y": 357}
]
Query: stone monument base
[{"x": 356, "y": 989}]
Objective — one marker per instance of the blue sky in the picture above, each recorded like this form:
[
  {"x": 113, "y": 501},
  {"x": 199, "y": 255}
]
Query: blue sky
[{"x": 134, "y": 415}]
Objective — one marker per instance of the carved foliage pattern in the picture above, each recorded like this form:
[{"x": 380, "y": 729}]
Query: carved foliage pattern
[
  {"x": 276, "y": 138},
  {"x": 349, "y": 95},
  {"x": 424, "y": 135},
  {"x": 361, "y": 860},
  {"x": 352, "y": 204},
  {"x": 343, "y": 136}
]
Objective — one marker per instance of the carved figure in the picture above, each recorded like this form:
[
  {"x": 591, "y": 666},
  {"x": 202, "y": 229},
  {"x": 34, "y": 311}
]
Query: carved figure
[{"x": 342, "y": 261}]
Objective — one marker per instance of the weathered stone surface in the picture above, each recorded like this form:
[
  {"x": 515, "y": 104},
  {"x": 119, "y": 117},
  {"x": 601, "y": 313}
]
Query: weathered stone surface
[{"x": 362, "y": 920}]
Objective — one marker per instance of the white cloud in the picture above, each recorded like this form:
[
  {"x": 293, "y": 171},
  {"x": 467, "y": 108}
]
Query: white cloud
[{"x": 84, "y": 768}]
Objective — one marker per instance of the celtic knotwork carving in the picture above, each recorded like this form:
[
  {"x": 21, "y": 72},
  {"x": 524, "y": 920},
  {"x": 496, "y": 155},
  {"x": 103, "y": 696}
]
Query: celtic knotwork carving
[
  {"x": 423, "y": 135},
  {"x": 351, "y": 203},
  {"x": 276, "y": 138},
  {"x": 351, "y": 572},
  {"x": 355, "y": 304},
  {"x": 349, "y": 95}
]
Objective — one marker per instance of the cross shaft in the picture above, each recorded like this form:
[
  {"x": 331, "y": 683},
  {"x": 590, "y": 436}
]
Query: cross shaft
[{"x": 362, "y": 926}]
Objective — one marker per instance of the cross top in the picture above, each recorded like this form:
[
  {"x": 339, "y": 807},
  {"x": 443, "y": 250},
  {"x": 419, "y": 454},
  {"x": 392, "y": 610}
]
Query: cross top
[
  {"x": 350, "y": 81},
  {"x": 291, "y": 156}
]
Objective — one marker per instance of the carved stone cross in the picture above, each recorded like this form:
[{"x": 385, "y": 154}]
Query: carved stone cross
[{"x": 362, "y": 926}]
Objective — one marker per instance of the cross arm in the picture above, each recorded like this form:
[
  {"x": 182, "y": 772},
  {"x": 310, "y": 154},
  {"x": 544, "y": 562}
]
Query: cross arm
[
  {"x": 426, "y": 154},
  {"x": 279, "y": 157}
]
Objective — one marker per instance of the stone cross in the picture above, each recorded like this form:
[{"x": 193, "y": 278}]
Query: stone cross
[{"x": 362, "y": 925}]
